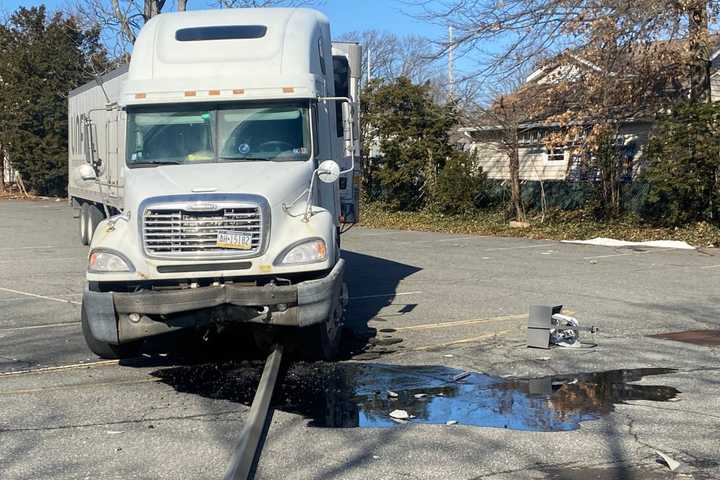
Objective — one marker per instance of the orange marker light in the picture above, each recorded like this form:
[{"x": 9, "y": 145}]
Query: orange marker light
[
  {"x": 239, "y": 91},
  {"x": 214, "y": 92},
  {"x": 139, "y": 96},
  {"x": 190, "y": 93},
  {"x": 288, "y": 90}
]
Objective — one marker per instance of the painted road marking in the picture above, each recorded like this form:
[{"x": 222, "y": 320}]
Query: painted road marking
[
  {"x": 99, "y": 363},
  {"x": 458, "y": 342},
  {"x": 430, "y": 326},
  {"x": 380, "y": 295},
  {"x": 475, "y": 321},
  {"x": 79, "y": 385},
  {"x": 28, "y": 294},
  {"x": 710, "y": 266},
  {"x": 32, "y": 327}
]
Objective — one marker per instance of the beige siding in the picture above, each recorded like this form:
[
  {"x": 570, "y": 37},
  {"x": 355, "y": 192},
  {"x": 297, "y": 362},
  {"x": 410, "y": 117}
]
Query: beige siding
[
  {"x": 715, "y": 87},
  {"x": 533, "y": 164}
]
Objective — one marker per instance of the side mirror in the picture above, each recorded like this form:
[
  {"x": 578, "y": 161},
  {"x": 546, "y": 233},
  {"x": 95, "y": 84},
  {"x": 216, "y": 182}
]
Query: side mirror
[
  {"x": 87, "y": 172},
  {"x": 328, "y": 171}
]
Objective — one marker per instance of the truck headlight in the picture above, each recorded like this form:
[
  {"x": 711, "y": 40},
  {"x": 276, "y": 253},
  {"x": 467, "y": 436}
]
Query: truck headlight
[
  {"x": 106, "y": 261},
  {"x": 305, "y": 251}
]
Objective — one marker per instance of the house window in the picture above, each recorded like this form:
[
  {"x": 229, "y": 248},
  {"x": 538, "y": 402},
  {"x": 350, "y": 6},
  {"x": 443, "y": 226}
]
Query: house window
[{"x": 555, "y": 154}]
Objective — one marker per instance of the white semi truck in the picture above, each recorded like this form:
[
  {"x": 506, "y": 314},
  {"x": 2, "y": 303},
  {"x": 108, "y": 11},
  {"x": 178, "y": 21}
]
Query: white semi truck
[{"x": 211, "y": 177}]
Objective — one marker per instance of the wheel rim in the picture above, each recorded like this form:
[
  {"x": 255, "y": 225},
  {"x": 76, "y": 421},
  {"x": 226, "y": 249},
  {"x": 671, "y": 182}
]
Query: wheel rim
[
  {"x": 83, "y": 226},
  {"x": 90, "y": 229},
  {"x": 332, "y": 326}
]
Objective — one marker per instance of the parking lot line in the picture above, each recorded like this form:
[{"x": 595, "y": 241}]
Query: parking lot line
[
  {"x": 710, "y": 266},
  {"x": 81, "y": 385},
  {"x": 380, "y": 295},
  {"x": 32, "y": 327},
  {"x": 43, "y": 297},
  {"x": 32, "y": 247},
  {"x": 457, "y": 342},
  {"x": 99, "y": 363},
  {"x": 430, "y": 326}
]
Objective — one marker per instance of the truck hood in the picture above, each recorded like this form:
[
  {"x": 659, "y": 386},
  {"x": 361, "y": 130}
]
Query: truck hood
[{"x": 276, "y": 181}]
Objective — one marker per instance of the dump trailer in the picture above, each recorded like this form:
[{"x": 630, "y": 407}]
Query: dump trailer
[{"x": 211, "y": 177}]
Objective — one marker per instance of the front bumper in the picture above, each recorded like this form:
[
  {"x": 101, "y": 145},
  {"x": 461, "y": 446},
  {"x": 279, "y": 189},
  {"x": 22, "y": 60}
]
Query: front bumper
[{"x": 305, "y": 303}]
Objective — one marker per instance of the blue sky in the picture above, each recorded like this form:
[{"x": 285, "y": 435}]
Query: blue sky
[{"x": 345, "y": 15}]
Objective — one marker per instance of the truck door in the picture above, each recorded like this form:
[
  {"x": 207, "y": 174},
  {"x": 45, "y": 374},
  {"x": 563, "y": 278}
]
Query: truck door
[
  {"x": 111, "y": 154},
  {"x": 346, "y": 68}
]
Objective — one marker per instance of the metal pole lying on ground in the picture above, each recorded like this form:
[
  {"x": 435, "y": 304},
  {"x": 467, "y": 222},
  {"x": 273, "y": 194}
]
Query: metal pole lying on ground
[{"x": 252, "y": 437}]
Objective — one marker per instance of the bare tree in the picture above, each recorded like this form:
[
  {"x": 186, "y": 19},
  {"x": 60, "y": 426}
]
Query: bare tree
[
  {"x": 121, "y": 20},
  {"x": 500, "y": 36},
  {"x": 504, "y": 121},
  {"x": 389, "y": 56},
  {"x": 264, "y": 3},
  {"x": 2, "y": 169}
]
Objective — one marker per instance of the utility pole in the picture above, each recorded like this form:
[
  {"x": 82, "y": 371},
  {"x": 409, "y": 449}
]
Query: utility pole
[
  {"x": 369, "y": 52},
  {"x": 451, "y": 61}
]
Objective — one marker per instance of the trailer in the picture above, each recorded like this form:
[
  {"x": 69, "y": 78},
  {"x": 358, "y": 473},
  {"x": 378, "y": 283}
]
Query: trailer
[{"x": 211, "y": 177}]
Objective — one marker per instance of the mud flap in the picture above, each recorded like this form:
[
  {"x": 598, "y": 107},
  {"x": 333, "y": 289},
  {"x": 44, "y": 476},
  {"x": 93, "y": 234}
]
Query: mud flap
[{"x": 101, "y": 317}]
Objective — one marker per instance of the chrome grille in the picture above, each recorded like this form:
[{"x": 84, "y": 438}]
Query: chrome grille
[{"x": 171, "y": 231}]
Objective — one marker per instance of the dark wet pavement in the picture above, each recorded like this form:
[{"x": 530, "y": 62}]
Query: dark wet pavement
[
  {"x": 698, "y": 337},
  {"x": 346, "y": 395}
]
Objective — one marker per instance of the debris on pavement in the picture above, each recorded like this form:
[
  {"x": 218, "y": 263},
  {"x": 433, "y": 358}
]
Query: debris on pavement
[
  {"x": 451, "y": 422},
  {"x": 670, "y": 462},
  {"x": 460, "y": 376},
  {"x": 400, "y": 415},
  {"x": 611, "y": 242}
]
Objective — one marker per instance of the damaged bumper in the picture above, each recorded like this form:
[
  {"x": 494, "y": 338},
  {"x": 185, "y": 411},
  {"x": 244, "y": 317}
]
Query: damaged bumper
[{"x": 305, "y": 303}]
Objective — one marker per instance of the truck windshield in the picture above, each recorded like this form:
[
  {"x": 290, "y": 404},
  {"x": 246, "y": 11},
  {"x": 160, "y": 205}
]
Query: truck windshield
[{"x": 218, "y": 133}]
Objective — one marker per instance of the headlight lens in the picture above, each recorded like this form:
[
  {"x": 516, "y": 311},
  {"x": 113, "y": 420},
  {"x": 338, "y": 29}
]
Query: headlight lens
[
  {"x": 105, "y": 261},
  {"x": 310, "y": 251}
]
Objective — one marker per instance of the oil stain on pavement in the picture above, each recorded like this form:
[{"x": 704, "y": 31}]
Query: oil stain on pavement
[{"x": 346, "y": 395}]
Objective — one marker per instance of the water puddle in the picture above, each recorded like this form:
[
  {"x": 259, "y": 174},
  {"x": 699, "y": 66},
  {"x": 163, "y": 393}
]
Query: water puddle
[{"x": 345, "y": 395}]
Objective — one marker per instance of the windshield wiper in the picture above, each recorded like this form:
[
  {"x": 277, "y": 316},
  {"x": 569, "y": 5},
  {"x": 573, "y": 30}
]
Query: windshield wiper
[
  {"x": 153, "y": 163},
  {"x": 260, "y": 159}
]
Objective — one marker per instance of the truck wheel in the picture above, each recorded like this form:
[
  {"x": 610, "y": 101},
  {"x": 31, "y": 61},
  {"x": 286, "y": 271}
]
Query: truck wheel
[
  {"x": 104, "y": 349},
  {"x": 322, "y": 341},
  {"x": 84, "y": 224},
  {"x": 95, "y": 216}
]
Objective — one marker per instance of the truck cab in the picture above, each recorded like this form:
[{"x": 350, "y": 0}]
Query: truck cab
[{"x": 235, "y": 157}]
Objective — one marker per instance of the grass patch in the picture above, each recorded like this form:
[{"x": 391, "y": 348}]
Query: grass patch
[{"x": 558, "y": 225}]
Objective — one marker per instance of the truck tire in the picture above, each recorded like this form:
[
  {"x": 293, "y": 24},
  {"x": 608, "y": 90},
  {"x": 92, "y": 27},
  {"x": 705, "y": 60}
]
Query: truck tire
[
  {"x": 104, "y": 349},
  {"x": 95, "y": 216},
  {"x": 83, "y": 222},
  {"x": 322, "y": 341}
]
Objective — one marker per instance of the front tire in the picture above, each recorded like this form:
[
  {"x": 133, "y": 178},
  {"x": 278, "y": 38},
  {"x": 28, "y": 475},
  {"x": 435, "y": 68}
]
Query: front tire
[
  {"x": 103, "y": 349},
  {"x": 322, "y": 341},
  {"x": 95, "y": 216},
  {"x": 84, "y": 214}
]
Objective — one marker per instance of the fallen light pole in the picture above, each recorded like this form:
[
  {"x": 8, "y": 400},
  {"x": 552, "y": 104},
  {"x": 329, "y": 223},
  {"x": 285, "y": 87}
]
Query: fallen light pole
[{"x": 547, "y": 326}]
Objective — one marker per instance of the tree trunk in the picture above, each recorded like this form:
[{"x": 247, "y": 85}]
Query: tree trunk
[
  {"x": 2, "y": 169},
  {"x": 515, "y": 188},
  {"x": 699, "y": 51}
]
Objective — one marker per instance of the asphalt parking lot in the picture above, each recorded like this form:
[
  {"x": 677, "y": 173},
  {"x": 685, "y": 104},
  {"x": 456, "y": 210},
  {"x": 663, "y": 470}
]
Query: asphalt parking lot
[{"x": 417, "y": 299}]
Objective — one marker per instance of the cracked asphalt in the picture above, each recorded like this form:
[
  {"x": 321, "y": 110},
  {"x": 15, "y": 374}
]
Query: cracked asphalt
[{"x": 416, "y": 299}]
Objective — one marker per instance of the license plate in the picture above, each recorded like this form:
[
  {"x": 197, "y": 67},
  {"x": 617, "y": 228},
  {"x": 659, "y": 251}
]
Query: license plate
[{"x": 239, "y": 241}]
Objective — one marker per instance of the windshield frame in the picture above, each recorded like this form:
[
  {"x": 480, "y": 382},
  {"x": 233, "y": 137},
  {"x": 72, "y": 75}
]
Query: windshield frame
[{"x": 305, "y": 105}]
